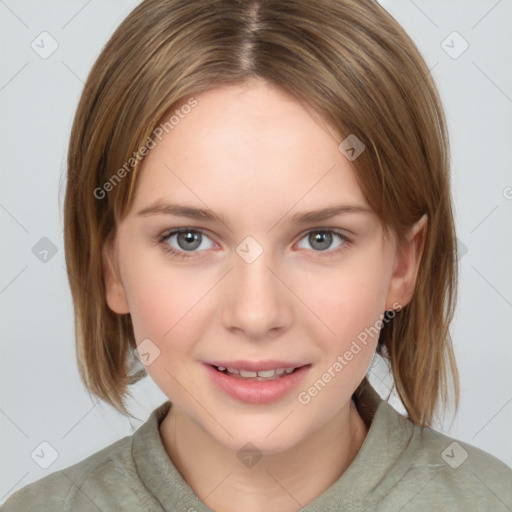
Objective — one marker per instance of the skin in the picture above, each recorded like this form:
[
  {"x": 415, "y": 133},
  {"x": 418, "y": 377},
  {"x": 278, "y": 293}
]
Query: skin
[{"x": 256, "y": 156}]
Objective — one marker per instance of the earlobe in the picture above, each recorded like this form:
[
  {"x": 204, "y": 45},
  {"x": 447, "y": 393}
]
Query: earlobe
[
  {"x": 407, "y": 262},
  {"x": 115, "y": 294}
]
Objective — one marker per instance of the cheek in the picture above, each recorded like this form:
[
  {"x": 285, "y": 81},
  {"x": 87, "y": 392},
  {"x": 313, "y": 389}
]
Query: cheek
[
  {"x": 166, "y": 308},
  {"x": 163, "y": 300},
  {"x": 350, "y": 301}
]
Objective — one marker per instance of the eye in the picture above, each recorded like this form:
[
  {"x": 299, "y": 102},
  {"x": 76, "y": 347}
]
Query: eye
[
  {"x": 180, "y": 242},
  {"x": 322, "y": 239},
  {"x": 186, "y": 242}
]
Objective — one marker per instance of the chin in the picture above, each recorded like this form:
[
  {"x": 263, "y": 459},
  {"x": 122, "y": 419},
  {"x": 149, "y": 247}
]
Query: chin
[{"x": 269, "y": 436}]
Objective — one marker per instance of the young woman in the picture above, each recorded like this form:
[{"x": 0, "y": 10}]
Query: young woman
[{"x": 258, "y": 201}]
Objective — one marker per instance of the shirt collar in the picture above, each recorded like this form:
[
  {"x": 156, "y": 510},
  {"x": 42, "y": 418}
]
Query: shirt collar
[{"x": 383, "y": 458}]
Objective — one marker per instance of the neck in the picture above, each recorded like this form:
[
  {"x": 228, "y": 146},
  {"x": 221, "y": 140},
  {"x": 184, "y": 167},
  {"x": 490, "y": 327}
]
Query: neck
[{"x": 282, "y": 482}]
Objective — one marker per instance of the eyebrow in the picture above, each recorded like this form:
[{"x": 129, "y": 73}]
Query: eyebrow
[{"x": 207, "y": 214}]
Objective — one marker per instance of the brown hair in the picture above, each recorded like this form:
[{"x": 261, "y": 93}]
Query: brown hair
[{"x": 347, "y": 60}]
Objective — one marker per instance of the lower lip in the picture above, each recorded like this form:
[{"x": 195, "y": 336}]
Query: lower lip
[{"x": 257, "y": 392}]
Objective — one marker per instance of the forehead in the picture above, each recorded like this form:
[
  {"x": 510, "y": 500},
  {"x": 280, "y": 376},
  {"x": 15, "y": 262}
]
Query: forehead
[{"x": 246, "y": 147}]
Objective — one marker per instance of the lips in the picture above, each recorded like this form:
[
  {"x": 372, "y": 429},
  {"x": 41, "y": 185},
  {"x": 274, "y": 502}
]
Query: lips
[{"x": 258, "y": 389}]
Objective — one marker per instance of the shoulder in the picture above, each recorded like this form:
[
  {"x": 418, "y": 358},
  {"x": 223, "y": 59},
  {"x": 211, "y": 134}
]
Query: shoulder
[
  {"x": 457, "y": 476},
  {"x": 48, "y": 493},
  {"x": 92, "y": 484}
]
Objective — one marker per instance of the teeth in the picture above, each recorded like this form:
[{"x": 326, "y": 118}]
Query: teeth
[
  {"x": 264, "y": 374},
  {"x": 245, "y": 373}
]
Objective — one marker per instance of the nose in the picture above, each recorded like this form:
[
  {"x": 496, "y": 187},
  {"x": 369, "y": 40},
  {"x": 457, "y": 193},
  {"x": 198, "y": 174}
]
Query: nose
[{"x": 258, "y": 303}]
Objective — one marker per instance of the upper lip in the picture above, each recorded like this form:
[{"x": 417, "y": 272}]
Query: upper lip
[{"x": 256, "y": 365}]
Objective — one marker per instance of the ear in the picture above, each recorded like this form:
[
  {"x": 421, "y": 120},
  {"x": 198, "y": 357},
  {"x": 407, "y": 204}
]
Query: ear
[
  {"x": 407, "y": 261},
  {"x": 115, "y": 293}
]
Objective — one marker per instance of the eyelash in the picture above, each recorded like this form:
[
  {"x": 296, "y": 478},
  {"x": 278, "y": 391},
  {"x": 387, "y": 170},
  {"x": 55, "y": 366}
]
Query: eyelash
[{"x": 183, "y": 255}]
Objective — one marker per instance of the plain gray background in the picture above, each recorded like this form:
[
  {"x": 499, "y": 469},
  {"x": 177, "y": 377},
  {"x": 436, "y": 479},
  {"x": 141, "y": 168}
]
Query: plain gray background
[{"x": 41, "y": 397}]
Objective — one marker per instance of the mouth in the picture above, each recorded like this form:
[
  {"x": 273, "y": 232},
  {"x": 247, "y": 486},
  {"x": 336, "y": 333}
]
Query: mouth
[
  {"x": 256, "y": 382},
  {"x": 257, "y": 375}
]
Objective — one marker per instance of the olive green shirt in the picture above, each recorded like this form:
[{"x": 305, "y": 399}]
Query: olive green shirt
[{"x": 400, "y": 467}]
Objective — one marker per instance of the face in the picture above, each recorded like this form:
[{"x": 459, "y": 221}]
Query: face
[{"x": 254, "y": 283}]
